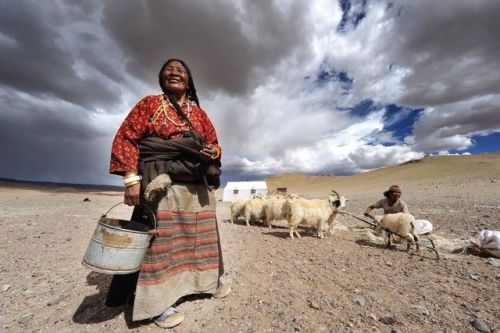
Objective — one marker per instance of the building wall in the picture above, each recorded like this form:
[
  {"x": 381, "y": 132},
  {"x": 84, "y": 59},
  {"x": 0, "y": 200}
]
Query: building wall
[{"x": 244, "y": 193}]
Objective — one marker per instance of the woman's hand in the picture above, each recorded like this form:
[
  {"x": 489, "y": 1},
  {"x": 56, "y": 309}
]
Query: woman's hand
[
  {"x": 131, "y": 197},
  {"x": 210, "y": 152}
]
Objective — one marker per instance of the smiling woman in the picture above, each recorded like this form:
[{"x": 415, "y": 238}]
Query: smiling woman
[{"x": 168, "y": 153}]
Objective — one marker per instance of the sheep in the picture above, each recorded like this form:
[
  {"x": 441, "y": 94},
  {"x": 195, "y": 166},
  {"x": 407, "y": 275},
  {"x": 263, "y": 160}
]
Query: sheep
[
  {"x": 401, "y": 224},
  {"x": 237, "y": 210},
  {"x": 314, "y": 213}
]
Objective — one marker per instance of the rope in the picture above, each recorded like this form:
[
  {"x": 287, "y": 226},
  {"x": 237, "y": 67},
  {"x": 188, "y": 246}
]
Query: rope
[{"x": 359, "y": 218}]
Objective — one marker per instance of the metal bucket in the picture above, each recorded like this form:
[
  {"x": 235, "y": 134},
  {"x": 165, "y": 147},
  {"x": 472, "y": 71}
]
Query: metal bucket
[{"x": 118, "y": 246}]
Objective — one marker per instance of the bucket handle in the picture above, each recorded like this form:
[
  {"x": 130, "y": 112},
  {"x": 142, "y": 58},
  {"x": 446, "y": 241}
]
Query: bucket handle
[{"x": 144, "y": 205}]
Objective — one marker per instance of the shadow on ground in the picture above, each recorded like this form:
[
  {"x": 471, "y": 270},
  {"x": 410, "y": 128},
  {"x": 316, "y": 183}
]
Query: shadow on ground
[{"x": 92, "y": 309}]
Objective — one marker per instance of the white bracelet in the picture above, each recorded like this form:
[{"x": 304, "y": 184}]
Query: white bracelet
[{"x": 130, "y": 180}]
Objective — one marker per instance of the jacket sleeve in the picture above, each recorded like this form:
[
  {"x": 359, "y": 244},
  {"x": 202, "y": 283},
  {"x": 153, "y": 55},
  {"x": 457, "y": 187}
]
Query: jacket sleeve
[
  {"x": 210, "y": 134},
  {"x": 125, "y": 148}
]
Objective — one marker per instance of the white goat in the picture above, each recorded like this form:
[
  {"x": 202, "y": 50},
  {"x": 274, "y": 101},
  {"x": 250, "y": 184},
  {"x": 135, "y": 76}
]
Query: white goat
[
  {"x": 400, "y": 224},
  {"x": 338, "y": 203},
  {"x": 237, "y": 210},
  {"x": 274, "y": 209},
  {"x": 254, "y": 210},
  {"x": 313, "y": 213}
]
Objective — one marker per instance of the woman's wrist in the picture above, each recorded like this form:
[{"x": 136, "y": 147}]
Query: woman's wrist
[
  {"x": 130, "y": 174},
  {"x": 131, "y": 178},
  {"x": 131, "y": 184}
]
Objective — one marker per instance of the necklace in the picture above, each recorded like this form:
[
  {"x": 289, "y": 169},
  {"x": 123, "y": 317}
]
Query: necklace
[{"x": 162, "y": 109}]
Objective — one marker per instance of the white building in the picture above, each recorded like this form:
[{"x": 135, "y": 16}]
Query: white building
[{"x": 243, "y": 190}]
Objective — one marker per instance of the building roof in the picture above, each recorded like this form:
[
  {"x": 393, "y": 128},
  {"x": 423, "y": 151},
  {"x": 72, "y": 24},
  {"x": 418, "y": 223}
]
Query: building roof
[{"x": 246, "y": 185}]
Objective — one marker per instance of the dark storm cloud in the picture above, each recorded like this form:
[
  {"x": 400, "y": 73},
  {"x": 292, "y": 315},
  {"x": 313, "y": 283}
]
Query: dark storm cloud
[
  {"x": 452, "y": 126},
  {"x": 229, "y": 46},
  {"x": 37, "y": 58},
  {"x": 452, "y": 48},
  {"x": 40, "y": 144}
]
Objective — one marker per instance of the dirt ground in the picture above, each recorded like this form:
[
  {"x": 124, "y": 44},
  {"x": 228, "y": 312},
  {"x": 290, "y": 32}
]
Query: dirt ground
[{"x": 348, "y": 282}]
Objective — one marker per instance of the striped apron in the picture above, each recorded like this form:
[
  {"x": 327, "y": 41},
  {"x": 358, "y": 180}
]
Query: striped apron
[{"x": 185, "y": 257}]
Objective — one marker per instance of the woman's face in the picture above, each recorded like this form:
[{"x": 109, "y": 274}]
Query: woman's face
[{"x": 175, "y": 78}]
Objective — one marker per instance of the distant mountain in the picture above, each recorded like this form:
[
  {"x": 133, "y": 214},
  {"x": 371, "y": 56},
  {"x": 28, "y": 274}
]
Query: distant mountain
[
  {"x": 51, "y": 185},
  {"x": 428, "y": 169}
]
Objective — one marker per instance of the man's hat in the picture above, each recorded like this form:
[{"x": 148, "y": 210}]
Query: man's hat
[{"x": 394, "y": 188}]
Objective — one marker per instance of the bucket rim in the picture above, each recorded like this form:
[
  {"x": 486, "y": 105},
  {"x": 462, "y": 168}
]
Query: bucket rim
[
  {"x": 108, "y": 270},
  {"x": 104, "y": 216},
  {"x": 121, "y": 229}
]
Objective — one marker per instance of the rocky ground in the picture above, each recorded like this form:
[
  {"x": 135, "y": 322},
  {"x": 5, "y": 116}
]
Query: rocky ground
[{"x": 348, "y": 282}]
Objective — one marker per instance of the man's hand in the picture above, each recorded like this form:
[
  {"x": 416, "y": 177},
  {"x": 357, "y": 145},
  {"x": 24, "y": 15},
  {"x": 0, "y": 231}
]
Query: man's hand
[{"x": 368, "y": 213}]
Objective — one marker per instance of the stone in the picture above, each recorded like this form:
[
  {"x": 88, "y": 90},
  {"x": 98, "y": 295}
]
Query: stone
[
  {"x": 473, "y": 277},
  {"x": 313, "y": 305},
  {"x": 481, "y": 326},
  {"x": 57, "y": 300},
  {"x": 360, "y": 300},
  {"x": 388, "y": 320},
  {"x": 469, "y": 307},
  {"x": 5, "y": 287},
  {"x": 25, "y": 319},
  {"x": 493, "y": 262}
]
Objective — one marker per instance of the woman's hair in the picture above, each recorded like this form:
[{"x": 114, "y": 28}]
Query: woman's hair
[{"x": 191, "y": 90}]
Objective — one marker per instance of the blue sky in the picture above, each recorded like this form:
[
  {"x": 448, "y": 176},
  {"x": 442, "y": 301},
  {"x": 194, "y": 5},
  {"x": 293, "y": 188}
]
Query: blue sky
[{"x": 318, "y": 87}]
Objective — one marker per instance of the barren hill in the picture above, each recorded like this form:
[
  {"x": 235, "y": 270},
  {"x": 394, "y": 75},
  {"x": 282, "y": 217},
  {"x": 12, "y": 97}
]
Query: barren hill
[{"x": 430, "y": 169}]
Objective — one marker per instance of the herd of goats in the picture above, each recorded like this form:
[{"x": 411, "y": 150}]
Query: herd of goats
[{"x": 317, "y": 214}]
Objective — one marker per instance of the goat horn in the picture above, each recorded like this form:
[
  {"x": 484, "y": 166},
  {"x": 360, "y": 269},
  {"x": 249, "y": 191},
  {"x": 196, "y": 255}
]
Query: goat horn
[{"x": 338, "y": 196}]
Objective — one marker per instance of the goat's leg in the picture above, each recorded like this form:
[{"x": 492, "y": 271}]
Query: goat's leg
[
  {"x": 297, "y": 233},
  {"x": 268, "y": 221},
  {"x": 320, "y": 233},
  {"x": 291, "y": 232},
  {"x": 330, "y": 229},
  {"x": 319, "y": 230},
  {"x": 389, "y": 235}
]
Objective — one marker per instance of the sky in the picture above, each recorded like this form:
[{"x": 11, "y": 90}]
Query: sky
[{"x": 316, "y": 87}]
